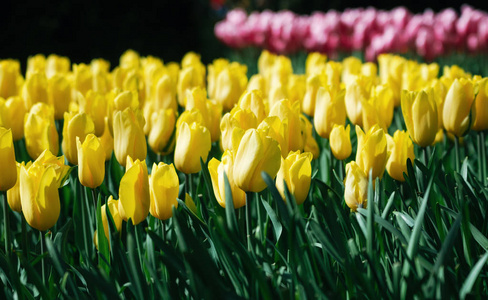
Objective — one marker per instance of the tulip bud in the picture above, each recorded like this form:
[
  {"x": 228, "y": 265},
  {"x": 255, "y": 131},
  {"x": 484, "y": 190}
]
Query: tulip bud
[
  {"x": 129, "y": 138},
  {"x": 308, "y": 102},
  {"x": 82, "y": 78},
  {"x": 329, "y": 110},
  {"x": 48, "y": 159},
  {"x": 13, "y": 117},
  {"x": 253, "y": 101},
  {"x": 56, "y": 64},
  {"x": 75, "y": 125},
  {"x": 164, "y": 186},
  {"x": 481, "y": 106},
  {"x": 217, "y": 170},
  {"x": 357, "y": 92},
  {"x": 10, "y": 78},
  {"x": 113, "y": 206},
  {"x": 340, "y": 142},
  {"x": 289, "y": 114},
  {"x": 165, "y": 96},
  {"x": 257, "y": 82},
  {"x": 13, "y": 194},
  {"x": 59, "y": 94},
  {"x": 420, "y": 114},
  {"x": 134, "y": 192},
  {"x": 214, "y": 70},
  {"x": 91, "y": 160},
  {"x": 192, "y": 143},
  {"x": 257, "y": 153},
  {"x": 459, "y": 111},
  {"x": 231, "y": 83},
  {"x": 315, "y": 63},
  {"x": 35, "y": 89},
  {"x": 161, "y": 137},
  {"x": 355, "y": 187},
  {"x": 296, "y": 171},
  {"x": 95, "y": 106},
  {"x": 189, "y": 77},
  {"x": 401, "y": 148},
  {"x": 8, "y": 176},
  {"x": 372, "y": 153},
  {"x": 40, "y": 130},
  {"x": 107, "y": 141}
]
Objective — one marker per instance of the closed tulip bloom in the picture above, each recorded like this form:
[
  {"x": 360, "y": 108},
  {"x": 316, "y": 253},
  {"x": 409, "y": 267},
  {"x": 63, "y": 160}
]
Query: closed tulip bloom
[
  {"x": 59, "y": 94},
  {"x": 315, "y": 63},
  {"x": 232, "y": 132},
  {"x": 214, "y": 69},
  {"x": 257, "y": 153},
  {"x": 481, "y": 106},
  {"x": 379, "y": 108},
  {"x": 217, "y": 169},
  {"x": 75, "y": 125},
  {"x": 257, "y": 82},
  {"x": 214, "y": 117},
  {"x": 161, "y": 138},
  {"x": 165, "y": 95},
  {"x": 372, "y": 153},
  {"x": 355, "y": 187},
  {"x": 189, "y": 77},
  {"x": 391, "y": 69},
  {"x": 357, "y": 92},
  {"x": 35, "y": 89},
  {"x": 13, "y": 194},
  {"x": 329, "y": 110},
  {"x": 310, "y": 142},
  {"x": 289, "y": 113},
  {"x": 56, "y": 64},
  {"x": 95, "y": 106},
  {"x": 164, "y": 186},
  {"x": 192, "y": 143},
  {"x": 230, "y": 85},
  {"x": 400, "y": 147},
  {"x": 296, "y": 171},
  {"x": 39, "y": 195},
  {"x": 340, "y": 142},
  {"x": 253, "y": 100},
  {"x": 13, "y": 117},
  {"x": 420, "y": 114},
  {"x": 91, "y": 161},
  {"x": 129, "y": 138},
  {"x": 10, "y": 78},
  {"x": 196, "y": 98},
  {"x": 107, "y": 141},
  {"x": 8, "y": 176},
  {"x": 40, "y": 131},
  {"x": 308, "y": 102},
  {"x": 296, "y": 87},
  {"x": 134, "y": 192},
  {"x": 113, "y": 207},
  {"x": 459, "y": 111}
]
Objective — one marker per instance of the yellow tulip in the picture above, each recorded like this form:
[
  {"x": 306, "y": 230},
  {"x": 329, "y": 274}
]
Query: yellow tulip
[
  {"x": 355, "y": 187},
  {"x": 459, "y": 111},
  {"x": 308, "y": 102},
  {"x": 277, "y": 92},
  {"x": 340, "y": 141},
  {"x": 253, "y": 101},
  {"x": 372, "y": 152},
  {"x": 134, "y": 192},
  {"x": 165, "y": 95},
  {"x": 13, "y": 194},
  {"x": 481, "y": 106},
  {"x": 351, "y": 68},
  {"x": 39, "y": 195},
  {"x": 13, "y": 116},
  {"x": 192, "y": 143},
  {"x": 401, "y": 148},
  {"x": 296, "y": 87},
  {"x": 391, "y": 72},
  {"x": 214, "y": 117},
  {"x": 310, "y": 142},
  {"x": 35, "y": 89},
  {"x": 75, "y": 125},
  {"x": 329, "y": 110},
  {"x": 196, "y": 98},
  {"x": 315, "y": 63},
  {"x": 189, "y": 77},
  {"x": 257, "y": 82},
  {"x": 10, "y": 78},
  {"x": 161, "y": 137},
  {"x": 48, "y": 159},
  {"x": 59, "y": 94},
  {"x": 91, "y": 160},
  {"x": 232, "y": 130},
  {"x": 379, "y": 108},
  {"x": 40, "y": 130},
  {"x": 82, "y": 78},
  {"x": 257, "y": 153},
  {"x": 113, "y": 207},
  {"x": 8, "y": 176},
  {"x": 217, "y": 170},
  {"x": 289, "y": 113},
  {"x": 95, "y": 106},
  {"x": 164, "y": 186},
  {"x": 296, "y": 171},
  {"x": 107, "y": 141},
  {"x": 56, "y": 64},
  {"x": 129, "y": 138},
  {"x": 231, "y": 83},
  {"x": 357, "y": 92},
  {"x": 214, "y": 69},
  {"x": 36, "y": 63},
  {"x": 420, "y": 114}
]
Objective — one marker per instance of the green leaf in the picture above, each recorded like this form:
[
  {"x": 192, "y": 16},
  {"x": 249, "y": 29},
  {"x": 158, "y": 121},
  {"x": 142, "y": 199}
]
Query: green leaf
[
  {"x": 103, "y": 243},
  {"x": 278, "y": 228},
  {"x": 229, "y": 208},
  {"x": 472, "y": 277}
]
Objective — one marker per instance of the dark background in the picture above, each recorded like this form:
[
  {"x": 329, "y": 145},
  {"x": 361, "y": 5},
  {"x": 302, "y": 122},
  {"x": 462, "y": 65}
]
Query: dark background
[{"x": 83, "y": 30}]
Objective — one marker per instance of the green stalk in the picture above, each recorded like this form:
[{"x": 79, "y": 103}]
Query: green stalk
[
  {"x": 480, "y": 157},
  {"x": 25, "y": 245},
  {"x": 456, "y": 148},
  {"x": 426, "y": 159},
  {"x": 483, "y": 156},
  {"x": 248, "y": 220},
  {"x": 41, "y": 237},
  {"x": 7, "y": 224}
]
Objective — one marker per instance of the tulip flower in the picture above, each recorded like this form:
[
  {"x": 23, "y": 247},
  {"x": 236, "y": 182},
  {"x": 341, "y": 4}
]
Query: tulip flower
[
  {"x": 59, "y": 94},
  {"x": 214, "y": 117},
  {"x": 8, "y": 176},
  {"x": 164, "y": 186},
  {"x": 134, "y": 192},
  {"x": 35, "y": 89},
  {"x": 161, "y": 137},
  {"x": 257, "y": 153},
  {"x": 56, "y": 64},
  {"x": 355, "y": 187},
  {"x": 481, "y": 106},
  {"x": 420, "y": 114},
  {"x": 75, "y": 125},
  {"x": 340, "y": 142},
  {"x": 258, "y": 83},
  {"x": 189, "y": 77},
  {"x": 379, "y": 108},
  {"x": 401, "y": 148},
  {"x": 165, "y": 95},
  {"x": 357, "y": 92},
  {"x": 107, "y": 141},
  {"x": 296, "y": 171},
  {"x": 289, "y": 114},
  {"x": 296, "y": 87},
  {"x": 13, "y": 194},
  {"x": 82, "y": 78},
  {"x": 113, "y": 206},
  {"x": 459, "y": 111},
  {"x": 372, "y": 152},
  {"x": 230, "y": 84},
  {"x": 95, "y": 106},
  {"x": 253, "y": 100},
  {"x": 310, "y": 142},
  {"x": 10, "y": 78},
  {"x": 91, "y": 160},
  {"x": 192, "y": 143},
  {"x": 40, "y": 130},
  {"x": 217, "y": 170},
  {"x": 13, "y": 116},
  {"x": 214, "y": 69},
  {"x": 315, "y": 63},
  {"x": 129, "y": 138},
  {"x": 391, "y": 69},
  {"x": 329, "y": 110},
  {"x": 308, "y": 102},
  {"x": 48, "y": 159}
]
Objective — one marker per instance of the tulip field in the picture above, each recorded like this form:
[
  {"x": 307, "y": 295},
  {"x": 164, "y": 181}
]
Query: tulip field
[{"x": 310, "y": 179}]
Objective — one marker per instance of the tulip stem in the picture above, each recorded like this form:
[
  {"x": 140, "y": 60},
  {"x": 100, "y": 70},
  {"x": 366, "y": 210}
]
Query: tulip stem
[
  {"x": 25, "y": 245},
  {"x": 341, "y": 169},
  {"x": 7, "y": 224},
  {"x": 41, "y": 237},
  {"x": 248, "y": 220},
  {"x": 456, "y": 146},
  {"x": 424, "y": 152},
  {"x": 188, "y": 185},
  {"x": 483, "y": 156}
]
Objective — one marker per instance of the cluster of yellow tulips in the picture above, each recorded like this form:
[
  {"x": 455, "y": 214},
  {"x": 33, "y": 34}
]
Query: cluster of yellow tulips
[{"x": 264, "y": 124}]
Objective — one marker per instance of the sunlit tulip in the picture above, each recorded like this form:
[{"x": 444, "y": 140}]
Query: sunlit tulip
[
  {"x": 329, "y": 110},
  {"x": 253, "y": 100},
  {"x": 192, "y": 144},
  {"x": 232, "y": 130},
  {"x": 459, "y": 111},
  {"x": 231, "y": 83},
  {"x": 257, "y": 153},
  {"x": 400, "y": 147},
  {"x": 481, "y": 106},
  {"x": 40, "y": 130},
  {"x": 420, "y": 114},
  {"x": 257, "y": 82},
  {"x": 13, "y": 116},
  {"x": 82, "y": 78},
  {"x": 107, "y": 141},
  {"x": 391, "y": 69},
  {"x": 310, "y": 142},
  {"x": 13, "y": 194},
  {"x": 8, "y": 176},
  {"x": 214, "y": 69},
  {"x": 95, "y": 106},
  {"x": 296, "y": 171},
  {"x": 59, "y": 94},
  {"x": 56, "y": 64},
  {"x": 357, "y": 92},
  {"x": 340, "y": 142},
  {"x": 214, "y": 117},
  {"x": 217, "y": 169},
  {"x": 277, "y": 92},
  {"x": 161, "y": 138},
  {"x": 75, "y": 125},
  {"x": 10, "y": 78},
  {"x": 134, "y": 192},
  {"x": 296, "y": 87},
  {"x": 289, "y": 113},
  {"x": 164, "y": 186},
  {"x": 129, "y": 138},
  {"x": 35, "y": 89},
  {"x": 57, "y": 162},
  {"x": 36, "y": 63},
  {"x": 91, "y": 161},
  {"x": 372, "y": 152},
  {"x": 315, "y": 63},
  {"x": 165, "y": 94},
  {"x": 355, "y": 187},
  {"x": 113, "y": 207},
  {"x": 196, "y": 98},
  {"x": 308, "y": 102},
  {"x": 378, "y": 109},
  {"x": 189, "y": 77},
  {"x": 351, "y": 68}
]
